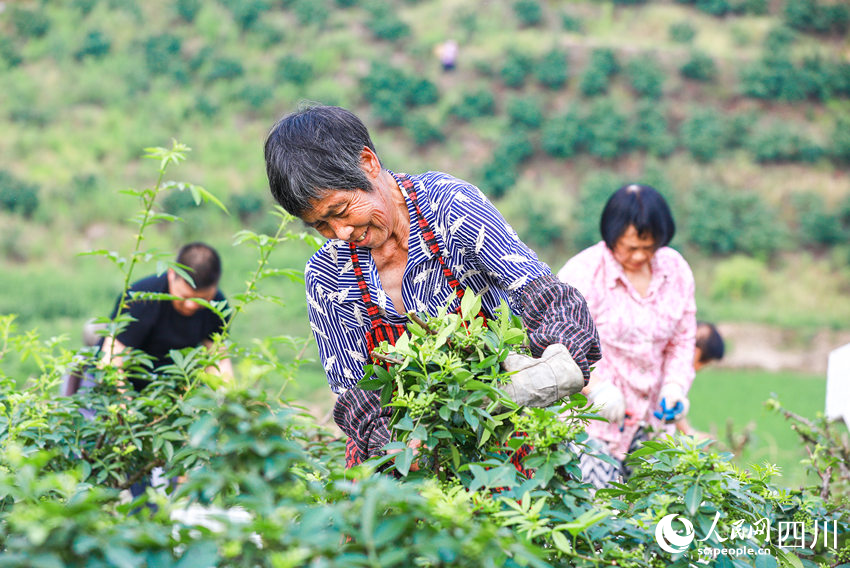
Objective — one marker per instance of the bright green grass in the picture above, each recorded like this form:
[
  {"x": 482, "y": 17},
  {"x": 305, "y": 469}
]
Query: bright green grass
[{"x": 720, "y": 395}]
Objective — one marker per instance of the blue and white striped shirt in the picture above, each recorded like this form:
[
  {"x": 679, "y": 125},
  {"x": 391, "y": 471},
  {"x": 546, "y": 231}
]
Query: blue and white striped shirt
[{"x": 481, "y": 249}]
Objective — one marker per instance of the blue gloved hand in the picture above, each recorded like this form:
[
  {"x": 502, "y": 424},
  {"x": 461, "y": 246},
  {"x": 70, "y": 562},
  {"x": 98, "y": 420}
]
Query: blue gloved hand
[{"x": 669, "y": 414}]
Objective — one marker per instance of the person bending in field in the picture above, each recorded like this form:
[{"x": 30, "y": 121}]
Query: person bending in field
[
  {"x": 163, "y": 325},
  {"x": 400, "y": 243}
]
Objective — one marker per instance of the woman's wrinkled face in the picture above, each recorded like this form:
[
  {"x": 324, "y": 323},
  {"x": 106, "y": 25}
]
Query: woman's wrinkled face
[
  {"x": 360, "y": 217},
  {"x": 633, "y": 251}
]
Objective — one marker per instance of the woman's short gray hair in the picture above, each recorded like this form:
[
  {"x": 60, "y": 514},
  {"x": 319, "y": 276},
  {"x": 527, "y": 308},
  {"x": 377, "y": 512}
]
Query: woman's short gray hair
[{"x": 315, "y": 149}]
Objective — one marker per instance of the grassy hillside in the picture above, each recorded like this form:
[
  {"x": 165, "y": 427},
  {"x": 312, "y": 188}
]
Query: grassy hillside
[{"x": 736, "y": 110}]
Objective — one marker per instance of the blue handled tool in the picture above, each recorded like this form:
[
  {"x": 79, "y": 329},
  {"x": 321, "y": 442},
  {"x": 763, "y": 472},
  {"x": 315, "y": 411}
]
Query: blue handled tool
[{"x": 669, "y": 414}]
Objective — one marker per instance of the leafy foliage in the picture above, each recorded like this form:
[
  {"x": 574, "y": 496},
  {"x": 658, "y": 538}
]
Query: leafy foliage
[
  {"x": 474, "y": 104},
  {"x": 552, "y": 69},
  {"x": 699, "y": 67},
  {"x": 260, "y": 484},
  {"x": 529, "y": 12},
  {"x": 16, "y": 195},
  {"x": 598, "y": 72},
  {"x": 645, "y": 76},
  {"x": 723, "y": 220},
  {"x": 703, "y": 134},
  {"x": 682, "y": 32}
]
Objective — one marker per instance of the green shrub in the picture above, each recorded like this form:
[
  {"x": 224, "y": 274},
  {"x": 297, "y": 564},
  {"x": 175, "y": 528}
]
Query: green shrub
[
  {"x": 699, "y": 67},
  {"x": 293, "y": 69},
  {"x": 246, "y": 13},
  {"x": 422, "y": 130},
  {"x": 738, "y": 277},
  {"x": 779, "y": 39},
  {"x": 311, "y": 12},
  {"x": 96, "y": 44},
  {"x": 385, "y": 23},
  {"x": 645, "y": 76},
  {"x": 515, "y": 69},
  {"x": 552, "y": 69},
  {"x": 605, "y": 130},
  {"x": 501, "y": 172},
  {"x": 206, "y": 106},
  {"x": 29, "y": 23},
  {"x": 780, "y": 142},
  {"x": 187, "y": 10},
  {"x": 17, "y": 196},
  {"x": 397, "y": 88},
  {"x": 598, "y": 72},
  {"x": 178, "y": 202},
  {"x": 388, "y": 108},
  {"x": 813, "y": 16},
  {"x": 816, "y": 225},
  {"x": 561, "y": 135},
  {"x": 650, "y": 130},
  {"x": 162, "y": 53},
  {"x": 682, "y": 32},
  {"x": 255, "y": 95},
  {"x": 497, "y": 178},
  {"x": 714, "y": 7},
  {"x": 755, "y": 7},
  {"x": 247, "y": 205},
  {"x": 224, "y": 69},
  {"x": 474, "y": 104},
  {"x": 571, "y": 23},
  {"x": 840, "y": 149},
  {"x": 739, "y": 128},
  {"x": 525, "y": 111},
  {"x": 724, "y": 220},
  {"x": 84, "y": 6},
  {"x": 421, "y": 91},
  {"x": 703, "y": 134},
  {"x": 9, "y": 54},
  {"x": 594, "y": 192},
  {"x": 528, "y": 12}
]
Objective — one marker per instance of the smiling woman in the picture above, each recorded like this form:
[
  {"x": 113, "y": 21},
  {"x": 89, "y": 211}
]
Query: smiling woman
[{"x": 401, "y": 243}]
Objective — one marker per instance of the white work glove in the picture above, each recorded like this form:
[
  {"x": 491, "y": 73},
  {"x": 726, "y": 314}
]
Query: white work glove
[
  {"x": 671, "y": 394},
  {"x": 542, "y": 382},
  {"x": 610, "y": 400}
]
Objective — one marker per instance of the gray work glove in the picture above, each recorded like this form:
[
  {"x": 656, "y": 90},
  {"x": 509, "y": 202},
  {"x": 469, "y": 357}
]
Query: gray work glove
[{"x": 542, "y": 382}]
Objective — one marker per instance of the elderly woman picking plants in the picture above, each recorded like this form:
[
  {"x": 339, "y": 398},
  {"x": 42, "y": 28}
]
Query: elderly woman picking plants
[{"x": 400, "y": 243}]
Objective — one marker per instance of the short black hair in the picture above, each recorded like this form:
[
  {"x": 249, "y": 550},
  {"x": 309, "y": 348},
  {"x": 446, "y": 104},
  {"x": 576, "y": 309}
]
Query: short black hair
[
  {"x": 639, "y": 205},
  {"x": 312, "y": 150},
  {"x": 709, "y": 341},
  {"x": 202, "y": 263}
]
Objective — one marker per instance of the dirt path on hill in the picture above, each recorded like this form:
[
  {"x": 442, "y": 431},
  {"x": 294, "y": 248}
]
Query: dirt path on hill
[{"x": 757, "y": 346}]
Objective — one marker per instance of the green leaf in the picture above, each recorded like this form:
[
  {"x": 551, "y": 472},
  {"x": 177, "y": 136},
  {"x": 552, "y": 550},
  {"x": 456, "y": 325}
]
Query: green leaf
[
  {"x": 693, "y": 497},
  {"x": 199, "y": 555},
  {"x": 561, "y": 542},
  {"x": 371, "y": 384},
  {"x": 403, "y": 461},
  {"x": 585, "y": 521}
]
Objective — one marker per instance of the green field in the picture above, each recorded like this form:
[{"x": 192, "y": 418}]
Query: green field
[{"x": 720, "y": 397}]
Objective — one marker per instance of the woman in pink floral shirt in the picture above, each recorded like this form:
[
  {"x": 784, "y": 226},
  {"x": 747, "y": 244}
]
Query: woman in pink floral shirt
[{"x": 641, "y": 295}]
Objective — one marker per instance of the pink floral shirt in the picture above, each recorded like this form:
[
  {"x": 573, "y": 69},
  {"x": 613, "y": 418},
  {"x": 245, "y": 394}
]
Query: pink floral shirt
[{"x": 646, "y": 341}]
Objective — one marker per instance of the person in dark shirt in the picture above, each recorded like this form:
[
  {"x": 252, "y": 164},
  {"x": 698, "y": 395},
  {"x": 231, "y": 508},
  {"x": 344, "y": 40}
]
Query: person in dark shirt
[{"x": 163, "y": 325}]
